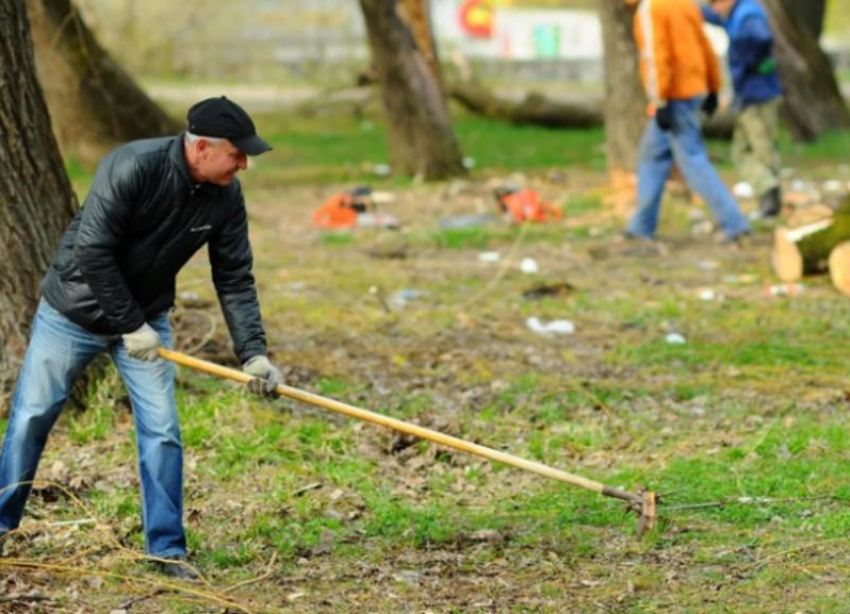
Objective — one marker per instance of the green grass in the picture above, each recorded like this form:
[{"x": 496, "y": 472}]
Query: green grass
[
  {"x": 588, "y": 203},
  {"x": 494, "y": 235},
  {"x": 464, "y": 238},
  {"x": 500, "y": 146},
  {"x": 744, "y": 429},
  {"x": 335, "y": 239},
  {"x": 347, "y": 149},
  {"x": 828, "y": 149}
]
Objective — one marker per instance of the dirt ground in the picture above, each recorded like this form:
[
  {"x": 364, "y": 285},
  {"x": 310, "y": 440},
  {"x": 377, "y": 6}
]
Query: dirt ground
[{"x": 413, "y": 322}]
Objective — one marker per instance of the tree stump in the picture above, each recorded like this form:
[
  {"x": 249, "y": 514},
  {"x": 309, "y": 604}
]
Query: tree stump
[
  {"x": 816, "y": 241},
  {"x": 839, "y": 267}
]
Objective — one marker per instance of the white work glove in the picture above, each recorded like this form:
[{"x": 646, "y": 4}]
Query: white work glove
[
  {"x": 142, "y": 343},
  {"x": 266, "y": 376}
]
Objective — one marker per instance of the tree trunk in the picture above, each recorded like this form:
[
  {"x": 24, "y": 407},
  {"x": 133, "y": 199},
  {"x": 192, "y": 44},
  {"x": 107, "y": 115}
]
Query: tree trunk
[
  {"x": 625, "y": 108},
  {"x": 421, "y": 139},
  {"x": 93, "y": 102},
  {"x": 809, "y": 14},
  {"x": 813, "y": 101},
  {"x": 36, "y": 199}
]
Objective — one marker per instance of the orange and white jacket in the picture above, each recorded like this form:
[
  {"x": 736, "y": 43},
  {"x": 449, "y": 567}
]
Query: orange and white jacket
[{"x": 676, "y": 59}]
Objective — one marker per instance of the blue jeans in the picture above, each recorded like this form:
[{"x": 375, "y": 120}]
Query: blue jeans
[
  {"x": 684, "y": 144},
  {"x": 57, "y": 354}
]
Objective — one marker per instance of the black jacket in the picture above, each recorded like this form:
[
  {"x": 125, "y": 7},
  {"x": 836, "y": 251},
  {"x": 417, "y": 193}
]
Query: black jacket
[{"x": 142, "y": 220}]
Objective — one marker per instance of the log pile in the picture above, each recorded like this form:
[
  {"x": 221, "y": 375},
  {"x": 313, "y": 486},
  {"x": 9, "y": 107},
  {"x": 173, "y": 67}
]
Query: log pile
[{"x": 815, "y": 240}]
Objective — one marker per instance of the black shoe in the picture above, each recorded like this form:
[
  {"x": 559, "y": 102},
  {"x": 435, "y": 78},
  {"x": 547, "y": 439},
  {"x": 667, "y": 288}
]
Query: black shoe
[
  {"x": 770, "y": 203},
  {"x": 178, "y": 568}
]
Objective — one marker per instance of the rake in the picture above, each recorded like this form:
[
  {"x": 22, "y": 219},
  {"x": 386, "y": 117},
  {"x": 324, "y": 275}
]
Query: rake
[{"x": 642, "y": 503}]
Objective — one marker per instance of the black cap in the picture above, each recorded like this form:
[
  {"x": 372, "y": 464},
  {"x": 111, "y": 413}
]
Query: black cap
[{"x": 223, "y": 118}]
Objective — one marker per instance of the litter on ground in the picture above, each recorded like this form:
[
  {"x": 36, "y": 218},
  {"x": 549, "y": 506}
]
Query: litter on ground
[{"x": 555, "y": 327}]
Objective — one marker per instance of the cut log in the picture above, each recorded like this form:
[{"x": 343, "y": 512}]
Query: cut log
[
  {"x": 534, "y": 109},
  {"x": 805, "y": 250},
  {"x": 538, "y": 110},
  {"x": 839, "y": 267},
  {"x": 785, "y": 258},
  {"x": 808, "y": 214}
]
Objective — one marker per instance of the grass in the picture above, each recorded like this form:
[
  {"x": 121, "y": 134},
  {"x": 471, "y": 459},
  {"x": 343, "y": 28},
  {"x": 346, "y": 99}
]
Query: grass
[
  {"x": 830, "y": 147},
  {"x": 344, "y": 148},
  {"x": 825, "y": 151},
  {"x": 349, "y": 148},
  {"x": 743, "y": 429},
  {"x": 341, "y": 148}
]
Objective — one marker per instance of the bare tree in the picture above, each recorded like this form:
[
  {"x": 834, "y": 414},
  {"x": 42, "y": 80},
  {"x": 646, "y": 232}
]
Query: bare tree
[
  {"x": 813, "y": 100},
  {"x": 421, "y": 138},
  {"x": 625, "y": 99},
  {"x": 94, "y": 103},
  {"x": 809, "y": 14},
  {"x": 36, "y": 199}
]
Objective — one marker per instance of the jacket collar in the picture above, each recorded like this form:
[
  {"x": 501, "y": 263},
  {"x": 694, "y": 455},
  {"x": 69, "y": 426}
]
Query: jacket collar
[{"x": 178, "y": 159}]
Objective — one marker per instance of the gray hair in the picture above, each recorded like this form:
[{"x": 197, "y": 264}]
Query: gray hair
[{"x": 194, "y": 138}]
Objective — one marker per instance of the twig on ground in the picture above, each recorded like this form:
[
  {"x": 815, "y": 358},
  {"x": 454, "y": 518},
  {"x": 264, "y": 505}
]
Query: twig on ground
[
  {"x": 160, "y": 585},
  {"x": 72, "y": 523},
  {"x": 23, "y": 598},
  {"x": 508, "y": 261},
  {"x": 783, "y": 553},
  {"x": 743, "y": 501},
  {"x": 126, "y": 605},
  {"x": 112, "y": 542},
  {"x": 305, "y": 489},
  {"x": 206, "y": 338},
  {"x": 260, "y": 578}
]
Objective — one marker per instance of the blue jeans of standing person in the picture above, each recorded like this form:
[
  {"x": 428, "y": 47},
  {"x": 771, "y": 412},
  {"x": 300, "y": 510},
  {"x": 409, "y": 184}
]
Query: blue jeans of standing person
[
  {"x": 684, "y": 144},
  {"x": 58, "y": 352}
]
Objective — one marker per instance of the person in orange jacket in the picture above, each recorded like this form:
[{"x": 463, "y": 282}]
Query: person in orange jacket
[{"x": 681, "y": 76}]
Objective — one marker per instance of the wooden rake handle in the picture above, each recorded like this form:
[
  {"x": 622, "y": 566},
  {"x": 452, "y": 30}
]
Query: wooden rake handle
[{"x": 406, "y": 427}]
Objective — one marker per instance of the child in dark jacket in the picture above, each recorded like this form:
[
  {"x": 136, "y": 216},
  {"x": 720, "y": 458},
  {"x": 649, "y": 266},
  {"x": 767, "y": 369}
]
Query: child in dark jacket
[{"x": 758, "y": 94}]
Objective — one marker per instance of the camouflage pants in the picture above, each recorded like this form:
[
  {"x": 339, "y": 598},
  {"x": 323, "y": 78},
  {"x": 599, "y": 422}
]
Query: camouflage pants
[{"x": 755, "y": 150}]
